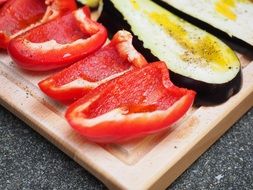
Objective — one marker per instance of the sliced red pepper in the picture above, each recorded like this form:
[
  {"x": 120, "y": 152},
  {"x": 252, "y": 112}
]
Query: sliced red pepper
[
  {"x": 58, "y": 43},
  {"x": 108, "y": 62},
  {"x": 140, "y": 102},
  {"x": 2, "y": 2},
  {"x": 18, "y": 16}
]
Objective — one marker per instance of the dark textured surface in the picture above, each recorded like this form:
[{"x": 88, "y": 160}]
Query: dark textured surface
[{"x": 28, "y": 161}]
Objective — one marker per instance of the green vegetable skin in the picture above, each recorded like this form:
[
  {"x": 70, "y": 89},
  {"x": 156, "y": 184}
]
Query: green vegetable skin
[{"x": 196, "y": 59}]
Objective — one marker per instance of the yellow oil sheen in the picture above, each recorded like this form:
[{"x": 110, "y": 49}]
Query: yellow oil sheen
[
  {"x": 135, "y": 4},
  {"x": 229, "y": 2},
  {"x": 226, "y": 8},
  {"x": 204, "y": 47}
]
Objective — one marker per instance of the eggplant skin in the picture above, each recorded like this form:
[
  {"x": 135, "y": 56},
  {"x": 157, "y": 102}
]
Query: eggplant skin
[
  {"x": 205, "y": 26},
  {"x": 230, "y": 33},
  {"x": 208, "y": 94},
  {"x": 107, "y": 18}
]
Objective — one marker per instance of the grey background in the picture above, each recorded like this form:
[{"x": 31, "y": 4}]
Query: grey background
[{"x": 28, "y": 161}]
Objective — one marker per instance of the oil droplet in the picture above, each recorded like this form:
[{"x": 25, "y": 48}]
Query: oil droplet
[{"x": 226, "y": 8}]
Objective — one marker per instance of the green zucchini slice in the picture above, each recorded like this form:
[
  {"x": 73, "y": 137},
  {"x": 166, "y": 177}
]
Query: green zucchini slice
[{"x": 196, "y": 59}]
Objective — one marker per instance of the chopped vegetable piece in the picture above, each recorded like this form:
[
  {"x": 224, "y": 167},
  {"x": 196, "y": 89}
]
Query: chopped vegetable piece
[
  {"x": 197, "y": 60},
  {"x": 233, "y": 17},
  {"x": 2, "y": 2},
  {"x": 18, "y": 16},
  {"x": 140, "y": 102},
  {"x": 58, "y": 43},
  {"x": 108, "y": 62}
]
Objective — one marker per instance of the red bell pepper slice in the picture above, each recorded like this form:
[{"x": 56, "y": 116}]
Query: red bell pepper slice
[
  {"x": 108, "y": 62},
  {"x": 18, "y": 16},
  {"x": 2, "y": 2},
  {"x": 58, "y": 43},
  {"x": 140, "y": 102}
]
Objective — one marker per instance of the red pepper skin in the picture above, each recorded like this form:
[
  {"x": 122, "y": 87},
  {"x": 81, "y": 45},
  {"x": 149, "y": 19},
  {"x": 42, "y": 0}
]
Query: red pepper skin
[
  {"x": 2, "y": 2},
  {"x": 58, "y": 43},
  {"x": 140, "y": 102},
  {"x": 18, "y": 16},
  {"x": 108, "y": 62}
]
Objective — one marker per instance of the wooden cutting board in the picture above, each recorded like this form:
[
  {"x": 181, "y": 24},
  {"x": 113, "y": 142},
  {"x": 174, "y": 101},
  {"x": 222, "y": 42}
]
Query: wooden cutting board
[{"x": 153, "y": 162}]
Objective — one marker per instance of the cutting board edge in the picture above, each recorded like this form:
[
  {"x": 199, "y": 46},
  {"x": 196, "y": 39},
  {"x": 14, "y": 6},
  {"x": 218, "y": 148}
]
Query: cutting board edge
[{"x": 203, "y": 145}]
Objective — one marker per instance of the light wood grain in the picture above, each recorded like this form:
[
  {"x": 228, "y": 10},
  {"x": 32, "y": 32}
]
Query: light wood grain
[{"x": 148, "y": 163}]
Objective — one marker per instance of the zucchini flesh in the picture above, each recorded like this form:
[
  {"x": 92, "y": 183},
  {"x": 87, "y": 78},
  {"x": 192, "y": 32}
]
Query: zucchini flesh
[
  {"x": 233, "y": 17},
  {"x": 196, "y": 59}
]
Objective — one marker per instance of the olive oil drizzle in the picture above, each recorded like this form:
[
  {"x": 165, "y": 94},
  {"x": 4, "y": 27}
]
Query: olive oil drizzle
[
  {"x": 227, "y": 8},
  {"x": 203, "y": 50}
]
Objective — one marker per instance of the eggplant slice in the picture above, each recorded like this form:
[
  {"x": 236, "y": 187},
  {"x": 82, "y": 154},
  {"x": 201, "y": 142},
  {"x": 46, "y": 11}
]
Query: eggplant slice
[
  {"x": 233, "y": 17},
  {"x": 196, "y": 59}
]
